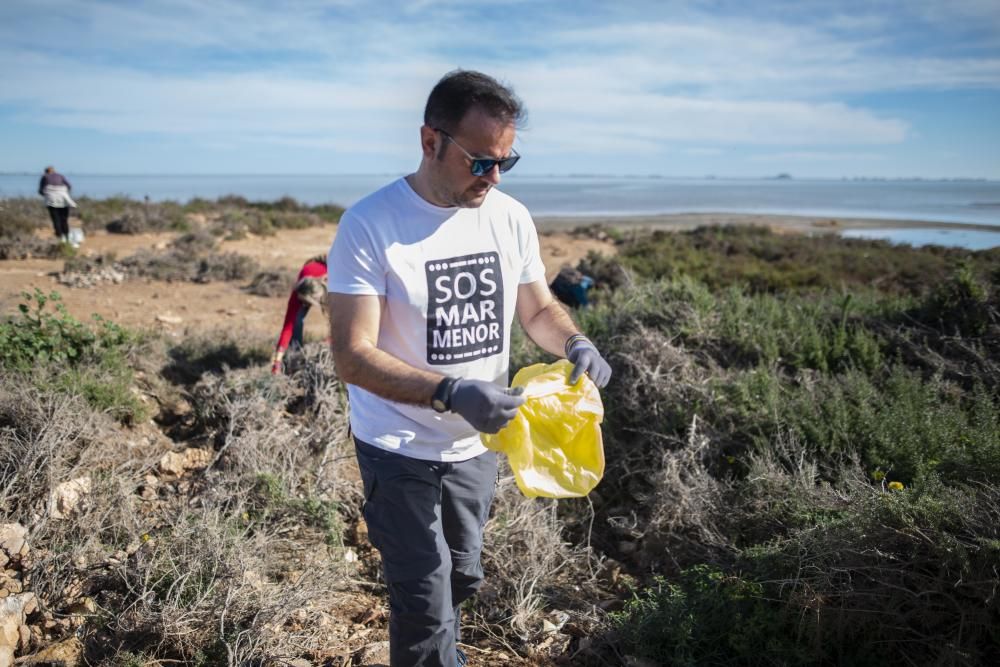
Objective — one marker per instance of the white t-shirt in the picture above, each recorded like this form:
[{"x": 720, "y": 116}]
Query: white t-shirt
[{"x": 449, "y": 277}]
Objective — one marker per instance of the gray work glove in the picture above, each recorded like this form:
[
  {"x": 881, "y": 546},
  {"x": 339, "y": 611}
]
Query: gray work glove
[
  {"x": 485, "y": 405},
  {"x": 586, "y": 359}
]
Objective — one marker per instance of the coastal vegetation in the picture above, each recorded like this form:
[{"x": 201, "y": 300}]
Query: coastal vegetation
[
  {"x": 230, "y": 217},
  {"x": 802, "y": 438}
]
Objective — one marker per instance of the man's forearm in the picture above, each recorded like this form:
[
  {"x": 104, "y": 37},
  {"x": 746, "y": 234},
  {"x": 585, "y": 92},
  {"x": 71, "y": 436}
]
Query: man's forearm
[
  {"x": 550, "y": 327},
  {"x": 384, "y": 375}
]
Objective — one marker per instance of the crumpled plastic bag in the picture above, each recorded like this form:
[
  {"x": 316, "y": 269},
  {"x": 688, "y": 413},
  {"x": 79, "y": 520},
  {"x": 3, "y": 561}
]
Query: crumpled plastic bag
[{"x": 554, "y": 442}]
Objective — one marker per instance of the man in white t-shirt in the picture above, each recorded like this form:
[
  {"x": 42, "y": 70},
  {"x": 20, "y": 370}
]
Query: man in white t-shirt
[{"x": 425, "y": 276}]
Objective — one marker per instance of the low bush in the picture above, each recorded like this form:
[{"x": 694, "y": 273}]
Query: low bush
[
  {"x": 884, "y": 568},
  {"x": 20, "y": 217},
  {"x": 57, "y": 350},
  {"x": 190, "y": 258},
  {"x": 271, "y": 283},
  {"x": 767, "y": 262}
]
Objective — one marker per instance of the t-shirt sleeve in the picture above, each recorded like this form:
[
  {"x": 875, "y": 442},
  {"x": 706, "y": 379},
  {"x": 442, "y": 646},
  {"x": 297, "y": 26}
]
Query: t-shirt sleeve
[
  {"x": 355, "y": 263},
  {"x": 532, "y": 268}
]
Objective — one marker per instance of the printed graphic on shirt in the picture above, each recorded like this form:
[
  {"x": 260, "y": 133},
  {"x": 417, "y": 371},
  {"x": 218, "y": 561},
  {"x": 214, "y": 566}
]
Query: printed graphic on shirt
[{"x": 464, "y": 308}]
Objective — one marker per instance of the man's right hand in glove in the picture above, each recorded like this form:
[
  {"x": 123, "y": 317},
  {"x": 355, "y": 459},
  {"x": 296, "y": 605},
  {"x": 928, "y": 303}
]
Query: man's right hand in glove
[{"x": 486, "y": 406}]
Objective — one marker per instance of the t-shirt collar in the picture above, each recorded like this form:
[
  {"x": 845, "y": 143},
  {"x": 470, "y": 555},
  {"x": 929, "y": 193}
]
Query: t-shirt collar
[{"x": 442, "y": 212}]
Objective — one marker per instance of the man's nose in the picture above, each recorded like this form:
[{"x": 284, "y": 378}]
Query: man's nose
[{"x": 493, "y": 175}]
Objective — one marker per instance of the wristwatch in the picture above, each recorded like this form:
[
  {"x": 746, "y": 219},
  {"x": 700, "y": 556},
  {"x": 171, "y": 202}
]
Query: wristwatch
[{"x": 441, "y": 400}]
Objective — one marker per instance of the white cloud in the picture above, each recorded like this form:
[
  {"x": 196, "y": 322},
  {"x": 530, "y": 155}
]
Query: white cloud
[{"x": 341, "y": 77}]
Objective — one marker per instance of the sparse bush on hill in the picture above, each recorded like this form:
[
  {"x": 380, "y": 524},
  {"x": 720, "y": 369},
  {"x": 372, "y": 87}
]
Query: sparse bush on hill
[
  {"x": 20, "y": 216},
  {"x": 190, "y": 258},
  {"x": 271, "y": 283},
  {"x": 229, "y": 216},
  {"x": 56, "y": 350},
  {"x": 766, "y": 262}
]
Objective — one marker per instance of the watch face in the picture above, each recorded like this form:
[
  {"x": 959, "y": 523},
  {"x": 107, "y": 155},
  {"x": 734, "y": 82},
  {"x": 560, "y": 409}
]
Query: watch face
[{"x": 438, "y": 405}]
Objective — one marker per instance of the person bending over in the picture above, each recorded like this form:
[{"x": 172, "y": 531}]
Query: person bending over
[{"x": 309, "y": 290}]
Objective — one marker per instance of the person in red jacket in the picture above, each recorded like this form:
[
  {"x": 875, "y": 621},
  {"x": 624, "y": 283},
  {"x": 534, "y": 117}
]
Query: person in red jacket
[{"x": 309, "y": 290}]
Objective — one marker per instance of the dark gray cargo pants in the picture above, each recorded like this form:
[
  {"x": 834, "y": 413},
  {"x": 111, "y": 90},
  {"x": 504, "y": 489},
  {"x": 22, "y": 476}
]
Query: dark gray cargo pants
[{"x": 426, "y": 518}]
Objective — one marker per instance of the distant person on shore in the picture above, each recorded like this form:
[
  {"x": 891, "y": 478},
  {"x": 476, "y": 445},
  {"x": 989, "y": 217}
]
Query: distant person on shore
[
  {"x": 309, "y": 290},
  {"x": 55, "y": 188},
  {"x": 426, "y": 276}
]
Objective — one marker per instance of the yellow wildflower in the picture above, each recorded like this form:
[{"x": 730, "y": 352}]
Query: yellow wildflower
[
  {"x": 145, "y": 537},
  {"x": 896, "y": 486}
]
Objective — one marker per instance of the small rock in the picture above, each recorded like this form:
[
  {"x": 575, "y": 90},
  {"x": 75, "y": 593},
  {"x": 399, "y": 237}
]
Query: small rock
[
  {"x": 12, "y": 617},
  {"x": 84, "y": 605},
  {"x": 373, "y": 654},
  {"x": 557, "y": 619},
  {"x": 253, "y": 579},
  {"x": 66, "y": 653},
  {"x": 30, "y": 604},
  {"x": 13, "y": 540},
  {"x": 350, "y": 555},
  {"x": 177, "y": 463},
  {"x": 65, "y": 497},
  {"x": 167, "y": 318},
  {"x": 10, "y": 585}
]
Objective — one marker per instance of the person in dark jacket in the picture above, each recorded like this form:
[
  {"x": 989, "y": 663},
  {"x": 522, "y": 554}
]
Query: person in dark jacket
[
  {"x": 56, "y": 188},
  {"x": 570, "y": 286}
]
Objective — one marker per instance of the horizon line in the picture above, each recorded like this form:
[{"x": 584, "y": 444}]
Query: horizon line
[{"x": 706, "y": 177}]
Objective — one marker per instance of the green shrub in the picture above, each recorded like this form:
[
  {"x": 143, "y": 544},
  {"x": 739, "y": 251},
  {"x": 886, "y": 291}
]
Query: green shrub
[
  {"x": 910, "y": 572},
  {"x": 708, "y": 617},
  {"x": 903, "y": 424},
  {"x": 768, "y": 262},
  {"x": 960, "y": 305},
  {"x": 40, "y": 337},
  {"x": 59, "y": 351}
]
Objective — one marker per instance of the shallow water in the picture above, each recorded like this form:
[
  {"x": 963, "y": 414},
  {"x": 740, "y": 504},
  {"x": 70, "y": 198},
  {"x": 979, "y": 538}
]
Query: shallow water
[
  {"x": 935, "y": 201},
  {"x": 961, "y": 238}
]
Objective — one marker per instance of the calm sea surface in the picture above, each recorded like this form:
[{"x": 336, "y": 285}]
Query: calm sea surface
[{"x": 936, "y": 201}]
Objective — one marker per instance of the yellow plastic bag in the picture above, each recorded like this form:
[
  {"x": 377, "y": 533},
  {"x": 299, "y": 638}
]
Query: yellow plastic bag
[{"x": 554, "y": 442}]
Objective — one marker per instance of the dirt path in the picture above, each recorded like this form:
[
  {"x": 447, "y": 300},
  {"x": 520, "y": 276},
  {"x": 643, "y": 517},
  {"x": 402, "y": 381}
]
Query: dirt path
[{"x": 220, "y": 306}]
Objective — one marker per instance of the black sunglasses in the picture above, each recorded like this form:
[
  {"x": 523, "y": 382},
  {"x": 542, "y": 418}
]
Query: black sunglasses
[{"x": 483, "y": 165}]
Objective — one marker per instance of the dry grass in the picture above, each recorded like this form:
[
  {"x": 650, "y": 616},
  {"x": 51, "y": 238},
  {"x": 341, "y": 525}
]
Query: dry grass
[{"x": 536, "y": 579}]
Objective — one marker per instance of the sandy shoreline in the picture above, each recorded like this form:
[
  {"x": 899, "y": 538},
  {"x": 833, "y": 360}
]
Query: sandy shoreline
[{"x": 778, "y": 223}]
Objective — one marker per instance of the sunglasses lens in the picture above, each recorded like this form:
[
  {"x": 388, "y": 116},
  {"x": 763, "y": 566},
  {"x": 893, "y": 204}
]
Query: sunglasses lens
[
  {"x": 483, "y": 166},
  {"x": 508, "y": 162}
]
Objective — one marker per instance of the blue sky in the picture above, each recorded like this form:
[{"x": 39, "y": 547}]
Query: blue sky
[{"x": 809, "y": 87}]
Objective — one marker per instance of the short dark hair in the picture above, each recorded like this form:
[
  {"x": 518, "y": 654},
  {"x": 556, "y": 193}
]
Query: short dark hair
[{"x": 460, "y": 90}]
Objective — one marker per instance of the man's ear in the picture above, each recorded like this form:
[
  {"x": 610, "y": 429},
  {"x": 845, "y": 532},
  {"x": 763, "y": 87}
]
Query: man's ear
[{"x": 429, "y": 142}]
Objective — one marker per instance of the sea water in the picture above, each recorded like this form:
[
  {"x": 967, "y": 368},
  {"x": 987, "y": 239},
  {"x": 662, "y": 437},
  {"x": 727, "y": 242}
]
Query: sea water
[{"x": 970, "y": 201}]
